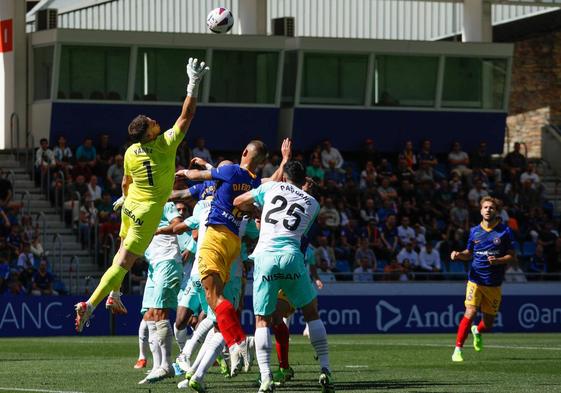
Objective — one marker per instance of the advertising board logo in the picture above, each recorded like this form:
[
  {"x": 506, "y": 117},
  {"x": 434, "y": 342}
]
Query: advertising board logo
[{"x": 386, "y": 316}]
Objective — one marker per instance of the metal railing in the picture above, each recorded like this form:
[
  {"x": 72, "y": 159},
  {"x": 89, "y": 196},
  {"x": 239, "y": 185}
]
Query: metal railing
[
  {"x": 12, "y": 178},
  {"x": 29, "y": 155},
  {"x": 74, "y": 275},
  {"x": 25, "y": 199},
  {"x": 108, "y": 251},
  {"x": 57, "y": 252},
  {"x": 14, "y": 131},
  {"x": 43, "y": 218}
]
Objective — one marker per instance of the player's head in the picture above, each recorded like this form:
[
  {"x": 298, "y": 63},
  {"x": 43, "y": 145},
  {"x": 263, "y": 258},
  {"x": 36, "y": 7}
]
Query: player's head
[
  {"x": 182, "y": 209},
  {"x": 143, "y": 129},
  {"x": 489, "y": 208},
  {"x": 255, "y": 153},
  {"x": 224, "y": 162},
  {"x": 294, "y": 173}
]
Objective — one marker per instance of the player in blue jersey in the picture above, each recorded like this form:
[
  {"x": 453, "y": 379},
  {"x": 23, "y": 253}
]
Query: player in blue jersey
[
  {"x": 221, "y": 245},
  {"x": 490, "y": 247}
]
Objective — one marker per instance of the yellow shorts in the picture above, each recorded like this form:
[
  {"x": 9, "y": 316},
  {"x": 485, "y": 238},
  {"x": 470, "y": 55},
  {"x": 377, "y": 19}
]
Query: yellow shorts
[
  {"x": 282, "y": 296},
  {"x": 218, "y": 251},
  {"x": 488, "y": 299},
  {"x": 139, "y": 222}
]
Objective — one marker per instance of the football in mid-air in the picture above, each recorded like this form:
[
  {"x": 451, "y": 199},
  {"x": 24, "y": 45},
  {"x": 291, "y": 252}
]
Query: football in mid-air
[{"x": 220, "y": 20}]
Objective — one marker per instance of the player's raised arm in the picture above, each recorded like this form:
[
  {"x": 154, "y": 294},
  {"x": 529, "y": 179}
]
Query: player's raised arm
[
  {"x": 245, "y": 201},
  {"x": 465, "y": 255},
  {"x": 171, "y": 228},
  {"x": 195, "y": 72},
  {"x": 194, "y": 174},
  {"x": 286, "y": 150}
]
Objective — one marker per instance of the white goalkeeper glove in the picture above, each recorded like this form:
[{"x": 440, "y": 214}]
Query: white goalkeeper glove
[
  {"x": 195, "y": 72},
  {"x": 118, "y": 203}
]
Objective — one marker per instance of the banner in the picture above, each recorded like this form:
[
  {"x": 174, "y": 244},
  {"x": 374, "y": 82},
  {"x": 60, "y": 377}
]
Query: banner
[{"x": 54, "y": 316}]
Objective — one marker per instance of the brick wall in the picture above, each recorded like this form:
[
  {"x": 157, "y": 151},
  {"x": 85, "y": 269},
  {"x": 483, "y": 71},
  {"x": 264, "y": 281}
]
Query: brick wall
[{"x": 535, "y": 98}]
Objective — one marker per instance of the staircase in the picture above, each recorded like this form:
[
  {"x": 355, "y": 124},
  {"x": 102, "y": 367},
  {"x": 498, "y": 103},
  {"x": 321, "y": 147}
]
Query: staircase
[
  {"x": 73, "y": 264},
  {"x": 552, "y": 189}
]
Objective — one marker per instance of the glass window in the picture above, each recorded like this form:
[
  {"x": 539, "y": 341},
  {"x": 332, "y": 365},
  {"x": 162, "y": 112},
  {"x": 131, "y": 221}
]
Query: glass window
[
  {"x": 244, "y": 77},
  {"x": 474, "y": 82},
  {"x": 94, "y": 72},
  {"x": 42, "y": 72},
  {"x": 334, "y": 79},
  {"x": 289, "y": 78},
  {"x": 405, "y": 80},
  {"x": 160, "y": 73}
]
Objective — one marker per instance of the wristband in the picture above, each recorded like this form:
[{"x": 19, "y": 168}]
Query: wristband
[{"x": 208, "y": 166}]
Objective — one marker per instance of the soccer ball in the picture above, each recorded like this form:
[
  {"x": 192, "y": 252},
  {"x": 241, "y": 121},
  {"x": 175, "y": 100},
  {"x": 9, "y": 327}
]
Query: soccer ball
[{"x": 220, "y": 20}]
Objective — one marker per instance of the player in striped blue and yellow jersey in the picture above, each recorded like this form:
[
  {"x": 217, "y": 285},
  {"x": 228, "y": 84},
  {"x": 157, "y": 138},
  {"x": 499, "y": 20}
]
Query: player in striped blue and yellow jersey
[
  {"x": 147, "y": 184},
  {"x": 490, "y": 247}
]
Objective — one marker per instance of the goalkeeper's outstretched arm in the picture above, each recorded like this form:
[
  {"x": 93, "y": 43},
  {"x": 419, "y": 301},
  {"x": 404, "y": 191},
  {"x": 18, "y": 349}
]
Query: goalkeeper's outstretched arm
[{"x": 195, "y": 72}]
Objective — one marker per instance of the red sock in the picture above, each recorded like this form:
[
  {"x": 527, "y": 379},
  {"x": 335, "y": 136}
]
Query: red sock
[
  {"x": 463, "y": 331},
  {"x": 229, "y": 324},
  {"x": 481, "y": 327},
  {"x": 281, "y": 337}
]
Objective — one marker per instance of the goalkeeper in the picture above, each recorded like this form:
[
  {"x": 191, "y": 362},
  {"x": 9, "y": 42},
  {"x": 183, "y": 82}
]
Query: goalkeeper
[{"x": 149, "y": 175}]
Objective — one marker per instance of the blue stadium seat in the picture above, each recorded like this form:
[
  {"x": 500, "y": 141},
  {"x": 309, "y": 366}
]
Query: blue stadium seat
[
  {"x": 517, "y": 247},
  {"x": 342, "y": 266},
  {"x": 456, "y": 267},
  {"x": 381, "y": 265},
  {"x": 528, "y": 249}
]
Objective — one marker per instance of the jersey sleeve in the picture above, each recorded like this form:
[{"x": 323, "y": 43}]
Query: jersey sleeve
[
  {"x": 192, "y": 222},
  {"x": 315, "y": 215},
  {"x": 258, "y": 193},
  {"x": 170, "y": 211},
  {"x": 224, "y": 173},
  {"x": 171, "y": 138},
  {"x": 196, "y": 190},
  {"x": 127, "y": 164},
  {"x": 470, "y": 243}
]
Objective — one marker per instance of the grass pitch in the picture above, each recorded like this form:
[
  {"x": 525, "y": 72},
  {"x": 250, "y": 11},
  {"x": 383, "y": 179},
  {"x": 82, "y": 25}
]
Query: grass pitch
[{"x": 361, "y": 363}]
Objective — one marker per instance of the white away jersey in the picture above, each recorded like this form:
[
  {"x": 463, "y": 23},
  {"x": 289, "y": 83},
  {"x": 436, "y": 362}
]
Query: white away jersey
[
  {"x": 288, "y": 214},
  {"x": 164, "y": 247},
  {"x": 198, "y": 220}
]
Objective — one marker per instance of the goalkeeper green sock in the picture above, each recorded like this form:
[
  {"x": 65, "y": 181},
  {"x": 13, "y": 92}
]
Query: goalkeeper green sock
[{"x": 112, "y": 278}]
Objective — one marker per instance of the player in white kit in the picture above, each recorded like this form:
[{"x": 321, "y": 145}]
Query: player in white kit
[{"x": 287, "y": 214}]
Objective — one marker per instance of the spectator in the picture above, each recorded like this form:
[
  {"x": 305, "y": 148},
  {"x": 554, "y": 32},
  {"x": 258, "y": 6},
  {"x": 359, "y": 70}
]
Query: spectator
[
  {"x": 332, "y": 216},
  {"x": 104, "y": 155},
  {"x": 25, "y": 257},
  {"x": 43, "y": 281},
  {"x": 459, "y": 162},
  {"x": 455, "y": 183},
  {"x": 14, "y": 240},
  {"x": 476, "y": 193},
  {"x": 15, "y": 285},
  {"x": 409, "y": 156},
  {"x": 387, "y": 209},
  {"x": 425, "y": 157},
  {"x": 527, "y": 196},
  {"x": 405, "y": 232},
  {"x": 389, "y": 236},
  {"x": 331, "y": 154},
  {"x": 4, "y": 275},
  {"x": 368, "y": 213},
  {"x": 37, "y": 248},
  {"x": 325, "y": 273},
  {"x": 324, "y": 253},
  {"x": 364, "y": 252},
  {"x": 404, "y": 172},
  {"x": 184, "y": 155},
  {"x": 429, "y": 259},
  {"x": 364, "y": 272},
  {"x": 368, "y": 176},
  {"x": 86, "y": 153},
  {"x": 115, "y": 175},
  {"x": 514, "y": 164},
  {"x": 271, "y": 166},
  {"x": 385, "y": 169},
  {"x": 79, "y": 186},
  {"x": 94, "y": 190},
  {"x": 344, "y": 251},
  {"x": 409, "y": 254},
  {"x": 63, "y": 156},
  {"x": 201, "y": 151},
  {"x": 88, "y": 215},
  {"x": 394, "y": 271},
  {"x": 6, "y": 193},
  {"x": 44, "y": 160},
  {"x": 531, "y": 176},
  {"x": 459, "y": 215},
  {"x": 315, "y": 171},
  {"x": 333, "y": 175},
  {"x": 513, "y": 273},
  {"x": 139, "y": 273},
  {"x": 386, "y": 191},
  {"x": 369, "y": 153},
  {"x": 420, "y": 240},
  {"x": 482, "y": 164}
]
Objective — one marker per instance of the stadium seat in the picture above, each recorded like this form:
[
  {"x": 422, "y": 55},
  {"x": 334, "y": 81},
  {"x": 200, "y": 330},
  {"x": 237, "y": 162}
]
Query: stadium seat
[
  {"x": 381, "y": 264},
  {"x": 342, "y": 266},
  {"x": 517, "y": 247},
  {"x": 528, "y": 249}
]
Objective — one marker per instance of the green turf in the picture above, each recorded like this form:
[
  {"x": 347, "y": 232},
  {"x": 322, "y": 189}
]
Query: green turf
[{"x": 396, "y": 363}]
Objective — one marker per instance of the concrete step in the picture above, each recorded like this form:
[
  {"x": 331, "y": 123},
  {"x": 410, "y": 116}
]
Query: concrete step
[{"x": 8, "y": 164}]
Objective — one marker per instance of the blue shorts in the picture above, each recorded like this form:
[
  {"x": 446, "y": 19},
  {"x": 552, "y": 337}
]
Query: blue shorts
[
  {"x": 273, "y": 272},
  {"x": 190, "y": 297},
  {"x": 162, "y": 285},
  {"x": 232, "y": 293}
]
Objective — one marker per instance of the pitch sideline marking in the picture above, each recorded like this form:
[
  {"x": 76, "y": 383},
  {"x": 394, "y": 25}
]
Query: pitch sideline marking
[
  {"x": 487, "y": 346},
  {"x": 356, "y": 366},
  {"x": 36, "y": 390}
]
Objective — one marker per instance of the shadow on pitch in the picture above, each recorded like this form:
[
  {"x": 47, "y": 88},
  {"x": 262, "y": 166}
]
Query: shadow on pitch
[{"x": 373, "y": 385}]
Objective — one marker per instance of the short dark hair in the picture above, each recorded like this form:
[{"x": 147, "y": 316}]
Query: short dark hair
[
  {"x": 295, "y": 172},
  {"x": 43, "y": 140},
  {"x": 138, "y": 127},
  {"x": 260, "y": 150}
]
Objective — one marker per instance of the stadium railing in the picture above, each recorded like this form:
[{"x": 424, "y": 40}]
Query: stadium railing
[
  {"x": 74, "y": 275},
  {"x": 57, "y": 252},
  {"x": 26, "y": 202}
]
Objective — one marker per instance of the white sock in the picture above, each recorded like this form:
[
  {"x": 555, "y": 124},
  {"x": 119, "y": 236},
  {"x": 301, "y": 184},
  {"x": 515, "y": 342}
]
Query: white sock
[
  {"x": 197, "y": 338},
  {"x": 213, "y": 349},
  {"x": 287, "y": 320},
  {"x": 165, "y": 339},
  {"x": 318, "y": 338},
  {"x": 202, "y": 351},
  {"x": 263, "y": 350},
  {"x": 154, "y": 345},
  {"x": 180, "y": 336},
  {"x": 143, "y": 345}
]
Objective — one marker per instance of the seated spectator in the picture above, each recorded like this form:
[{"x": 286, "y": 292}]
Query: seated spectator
[
  {"x": 271, "y": 165},
  {"x": 25, "y": 257},
  {"x": 527, "y": 196},
  {"x": 368, "y": 213},
  {"x": 409, "y": 254},
  {"x": 324, "y": 253},
  {"x": 44, "y": 160},
  {"x": 429, "y": 259},
  {"x": 476, "y": 193},
  {"x": 14, "y": 240},
  {"x": 514, "y": 164},
  {"x": 329, "y": 154},
  {"x": 334, "y": 175},
  {"x": 455, "y": 184},
  {"x": 331, "y": 214},
  {"x": 37, "y": 248},
  {"x": 87, "y": 153},
  {"x": 531, "y": 176},
  {"x": 63, "y": 156},
  {"x": 459, "y": 215},
  {"x": 408, "y": 155},
  {"x": 6, "y": 195},
  {"x": 139, "y": 273},
  {"x": 388, "y": 236},
  {"x": 4, "y": 275},
  {"x": 405, "y": 232},
  {"x": 184, "y": 155},
  {"x": 316, "y": 153},
  {"x": 43, "y": 281},
  {"x": 393, "y": 271},
  {"x": 201, "y": 151},
  {"x": 88, "y": 215},
  {"x": 459, "y": 162},
  {"x": 93, "y": 189},
  {"x": 364, "y": 271},
  {"x": 385, "y": 169},
  {"x": 513, "y": 273},
  {"x": 28, "y": 230},
  {"x": 115, "y": 175},
  {"x": 482, "y": 164},
  {"x": 104, "y": 155},
  {"x": 368, "y": 176},
  {"x": 369, "y": 153},
  {"x": 425, "y": 158},
  {"x": 386, "y": 191},
  {"x": 15, "y": 285},
  {"x": 315, "y": 171},
  {"x": 79, "y": 185},
  {"x": 387, "y": 209},
  {"x": 420, "y": 240},
  {"x": 424, "y": 173},
  {"x": 104, "y": 206},
  {"x": 404, "y": 172},
  {"x": 407, "y": 193},
  {"x": 324, "y": 272},
  {"x": 364, "y": 252}
]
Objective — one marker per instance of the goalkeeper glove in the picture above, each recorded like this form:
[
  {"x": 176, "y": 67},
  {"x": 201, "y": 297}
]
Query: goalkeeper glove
[
  {"x": 195, "y": 72},
  {"x": 118, "y": 203}
]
